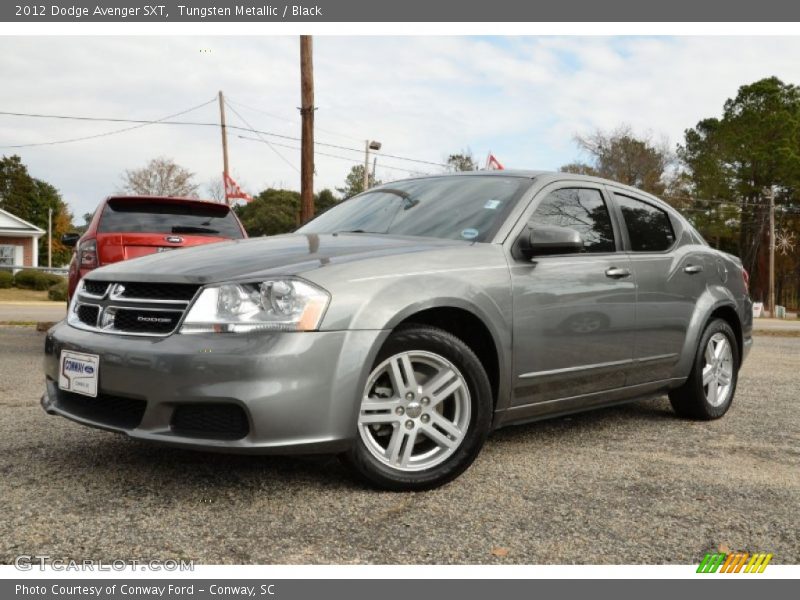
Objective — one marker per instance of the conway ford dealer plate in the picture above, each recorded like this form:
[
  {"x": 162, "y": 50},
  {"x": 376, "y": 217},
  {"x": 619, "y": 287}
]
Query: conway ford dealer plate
[{"x": 79, "y": 373}]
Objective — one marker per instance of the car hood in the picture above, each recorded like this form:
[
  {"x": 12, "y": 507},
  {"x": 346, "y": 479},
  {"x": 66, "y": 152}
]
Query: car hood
[{"x": 267, "y": 256}]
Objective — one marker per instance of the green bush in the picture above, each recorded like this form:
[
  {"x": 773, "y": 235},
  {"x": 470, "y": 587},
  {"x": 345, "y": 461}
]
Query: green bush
[
  {"x": 58, "y": 292},
  {"x": 6, "y": 279},
  {"x": 54, "y": 279},
  {"x": 30, "y": 280},
  {"x": 36, "y": 280}
]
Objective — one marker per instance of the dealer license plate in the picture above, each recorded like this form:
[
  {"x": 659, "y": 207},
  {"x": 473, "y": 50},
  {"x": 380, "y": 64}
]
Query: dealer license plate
[{"x": 79, "y": 373}]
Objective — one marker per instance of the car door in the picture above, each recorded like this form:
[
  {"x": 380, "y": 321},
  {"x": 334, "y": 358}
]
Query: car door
[
  {"x": 573, "y": 314},
  {"x": 670, "y": 276}
]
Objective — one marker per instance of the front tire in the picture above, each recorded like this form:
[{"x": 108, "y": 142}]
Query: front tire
[
  {"x": 708, "y": 392},
  {"x": 425, "y": 412}
]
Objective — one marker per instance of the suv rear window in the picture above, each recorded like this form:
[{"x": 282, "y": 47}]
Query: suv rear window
[{"x": 152, "y": 216}]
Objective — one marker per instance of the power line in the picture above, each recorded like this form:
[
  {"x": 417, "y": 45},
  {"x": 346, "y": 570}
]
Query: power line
[
  {"x": 732, "y": 203},
  {"x": 347, "y": 158},
  {"x": 290, "y": 121},
  {"x": 206, "y": 124},
  {"x": 281, "y": 156},
  {"x": 107, "y": 133}
]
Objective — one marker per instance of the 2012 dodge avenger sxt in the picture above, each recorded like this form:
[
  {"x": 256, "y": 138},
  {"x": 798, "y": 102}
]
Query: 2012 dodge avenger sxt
[{"x": 403, "y": 325}]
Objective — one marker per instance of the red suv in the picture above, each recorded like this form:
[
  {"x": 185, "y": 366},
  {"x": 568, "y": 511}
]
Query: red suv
[{"x": 126, "y": 227}]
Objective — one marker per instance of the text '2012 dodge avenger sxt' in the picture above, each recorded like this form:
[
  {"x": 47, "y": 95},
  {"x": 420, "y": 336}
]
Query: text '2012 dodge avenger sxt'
[{"x": 403, "y": 325}]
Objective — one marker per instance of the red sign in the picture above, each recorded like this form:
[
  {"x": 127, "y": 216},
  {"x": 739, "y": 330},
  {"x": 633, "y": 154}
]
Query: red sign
[
  {"x": 492, "y": 164},
  {"x": 233, "y": 191}
]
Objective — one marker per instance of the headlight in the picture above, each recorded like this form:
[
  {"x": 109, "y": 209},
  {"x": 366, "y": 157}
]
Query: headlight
[{"x": 276, "y": 305}]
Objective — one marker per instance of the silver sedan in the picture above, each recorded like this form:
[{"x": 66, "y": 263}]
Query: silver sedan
[{"x": 402, "y": 326}]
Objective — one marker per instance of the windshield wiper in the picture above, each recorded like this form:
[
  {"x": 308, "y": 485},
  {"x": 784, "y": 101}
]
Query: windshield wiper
[{"x": 190, "y": 229}]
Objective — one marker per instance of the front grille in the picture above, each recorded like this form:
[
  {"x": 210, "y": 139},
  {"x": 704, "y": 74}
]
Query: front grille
[
  {"x": 113, "y": 411},
  {"x": 157, "y": 291},
  {"x": 87, "y": 313},
  {"x": 221, "y": 421},
  {"x": 135, "y": 320},
  {"x": 131, "y": 308},
  {"x": 95, "y": 288}
]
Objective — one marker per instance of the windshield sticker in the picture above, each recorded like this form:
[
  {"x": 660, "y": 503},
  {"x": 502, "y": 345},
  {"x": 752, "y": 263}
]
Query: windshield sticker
[
  {"x": 491, "y": 204},
  {"x": 469, "y": 234}
]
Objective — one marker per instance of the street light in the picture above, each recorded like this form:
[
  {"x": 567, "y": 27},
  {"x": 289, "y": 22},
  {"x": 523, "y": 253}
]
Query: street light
[{"x": 370, "y": 145}]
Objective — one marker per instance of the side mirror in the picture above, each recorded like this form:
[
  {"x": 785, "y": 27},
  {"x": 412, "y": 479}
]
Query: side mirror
[
  {"x": 541, "y": 240},
  {"x": 70, "y": 239}
]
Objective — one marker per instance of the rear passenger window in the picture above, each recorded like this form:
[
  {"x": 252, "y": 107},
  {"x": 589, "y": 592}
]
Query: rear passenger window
[
  {"x": 582, "y": 210},
  {"x": 649, "y": 228}
]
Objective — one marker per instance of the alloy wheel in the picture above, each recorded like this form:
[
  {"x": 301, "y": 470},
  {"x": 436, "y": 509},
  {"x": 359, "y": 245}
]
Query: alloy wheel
[
  {"x": 718, "y": 369},
  {"x": 415, "y": 411}
]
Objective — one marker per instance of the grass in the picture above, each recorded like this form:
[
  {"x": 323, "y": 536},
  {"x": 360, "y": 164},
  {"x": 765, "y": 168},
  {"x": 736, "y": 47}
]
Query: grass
[
  {"x": 19, "y": 295},
  {"x": 18, "y": 324},
  {"x": 777, "y": 333}
]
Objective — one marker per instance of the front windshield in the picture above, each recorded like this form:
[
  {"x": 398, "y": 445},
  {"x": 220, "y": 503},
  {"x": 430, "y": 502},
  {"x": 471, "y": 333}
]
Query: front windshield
[{"x": 457, "y": 208}]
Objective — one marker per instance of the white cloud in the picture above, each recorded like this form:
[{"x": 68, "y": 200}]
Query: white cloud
[{"x": 522, "y": 97}]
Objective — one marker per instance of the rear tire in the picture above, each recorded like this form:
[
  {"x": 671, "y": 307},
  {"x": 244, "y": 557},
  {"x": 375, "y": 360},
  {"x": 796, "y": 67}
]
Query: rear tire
[
  {"x": 708, "y": 392},
  {"x": 420, "y": 432}
]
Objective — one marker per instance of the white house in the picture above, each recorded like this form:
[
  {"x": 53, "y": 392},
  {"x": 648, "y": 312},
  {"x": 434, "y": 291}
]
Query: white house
[{"x": 19, "y": 241}]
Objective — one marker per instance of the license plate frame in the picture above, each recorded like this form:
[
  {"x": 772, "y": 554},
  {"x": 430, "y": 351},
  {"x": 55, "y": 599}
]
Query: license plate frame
[{"x": 79, "y": 372}]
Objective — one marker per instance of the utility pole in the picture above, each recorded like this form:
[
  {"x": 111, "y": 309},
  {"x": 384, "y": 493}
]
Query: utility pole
[
  {"x": 772, "y": 252},
  {"x": 368, "y": 145},
  {"x": 49, "y": 238},
  {"x": 224, "y": 143},
  {"x": 307, "y": 143},
  {"x": 366, "y": 166}
]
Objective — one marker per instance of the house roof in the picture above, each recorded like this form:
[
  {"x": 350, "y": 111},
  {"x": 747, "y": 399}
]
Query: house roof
[{"x": 12, "y": 225}]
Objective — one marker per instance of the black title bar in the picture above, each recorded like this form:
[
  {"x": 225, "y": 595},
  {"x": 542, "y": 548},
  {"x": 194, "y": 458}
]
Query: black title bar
[
  {"x": 466, "y": 11},
  {"x": 399, "y": 589}
]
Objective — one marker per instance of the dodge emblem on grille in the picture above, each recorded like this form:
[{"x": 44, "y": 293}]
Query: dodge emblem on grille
[{"x": 143, "y": 319}]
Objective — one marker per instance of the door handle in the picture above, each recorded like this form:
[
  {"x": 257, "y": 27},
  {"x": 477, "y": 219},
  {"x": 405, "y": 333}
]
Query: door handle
[
  {"x": 692, "y": 269},
  {"x": 617, "y": 273}
]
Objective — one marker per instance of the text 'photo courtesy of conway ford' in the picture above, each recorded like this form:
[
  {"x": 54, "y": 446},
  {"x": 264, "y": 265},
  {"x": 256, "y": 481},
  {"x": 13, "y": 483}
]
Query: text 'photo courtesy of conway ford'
[{"x": 402, "y": 326}]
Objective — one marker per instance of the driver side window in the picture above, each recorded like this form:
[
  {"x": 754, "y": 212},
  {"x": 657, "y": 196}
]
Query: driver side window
[{"x": 581, "y": 209}]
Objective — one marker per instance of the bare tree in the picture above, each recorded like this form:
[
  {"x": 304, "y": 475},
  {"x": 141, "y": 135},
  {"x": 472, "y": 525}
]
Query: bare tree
[
  {"x": 579, "y": 168},
  {"x": 462, "y": 161},
  {"x": 161, "y": 177},
  {"x": 641, "y": 161},
  {"x": 215, "y": 189}
]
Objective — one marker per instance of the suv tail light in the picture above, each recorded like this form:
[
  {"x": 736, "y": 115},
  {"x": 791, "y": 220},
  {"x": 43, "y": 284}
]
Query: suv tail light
[
  {"x": 746, "y": 278},
  {"x": 87, "y": 254}
]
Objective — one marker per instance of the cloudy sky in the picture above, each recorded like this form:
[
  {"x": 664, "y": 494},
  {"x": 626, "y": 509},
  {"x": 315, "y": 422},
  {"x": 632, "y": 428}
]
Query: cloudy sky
[{"x": 523, "y": 98}]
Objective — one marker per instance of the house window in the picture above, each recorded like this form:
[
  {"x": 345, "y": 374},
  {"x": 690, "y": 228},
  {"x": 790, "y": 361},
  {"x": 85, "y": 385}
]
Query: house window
[{"x": 7, "y": 255}]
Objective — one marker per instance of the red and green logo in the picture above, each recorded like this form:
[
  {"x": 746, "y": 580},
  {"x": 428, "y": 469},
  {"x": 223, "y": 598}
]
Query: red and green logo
[{"x": 735, "y": 562}]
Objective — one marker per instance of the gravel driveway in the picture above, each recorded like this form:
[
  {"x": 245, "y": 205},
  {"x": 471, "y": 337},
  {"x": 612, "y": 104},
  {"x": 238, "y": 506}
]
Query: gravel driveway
[{"x": 631, "y": 484}]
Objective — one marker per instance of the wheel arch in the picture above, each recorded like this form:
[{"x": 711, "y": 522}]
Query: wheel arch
[
  {"x": 728, "y": 313},
  {"x": 467, "y": 325},
  {"x": 710, "y": 306}
]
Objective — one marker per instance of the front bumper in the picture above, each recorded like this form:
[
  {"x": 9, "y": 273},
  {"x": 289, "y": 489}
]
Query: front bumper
[{"x": 299, "y": 392}]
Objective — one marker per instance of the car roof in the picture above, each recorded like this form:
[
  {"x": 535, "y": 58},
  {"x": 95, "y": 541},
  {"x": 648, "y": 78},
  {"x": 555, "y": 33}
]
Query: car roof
[
  {"x": 524, "y": 173},
  {"x": 552, "y": 176}
]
